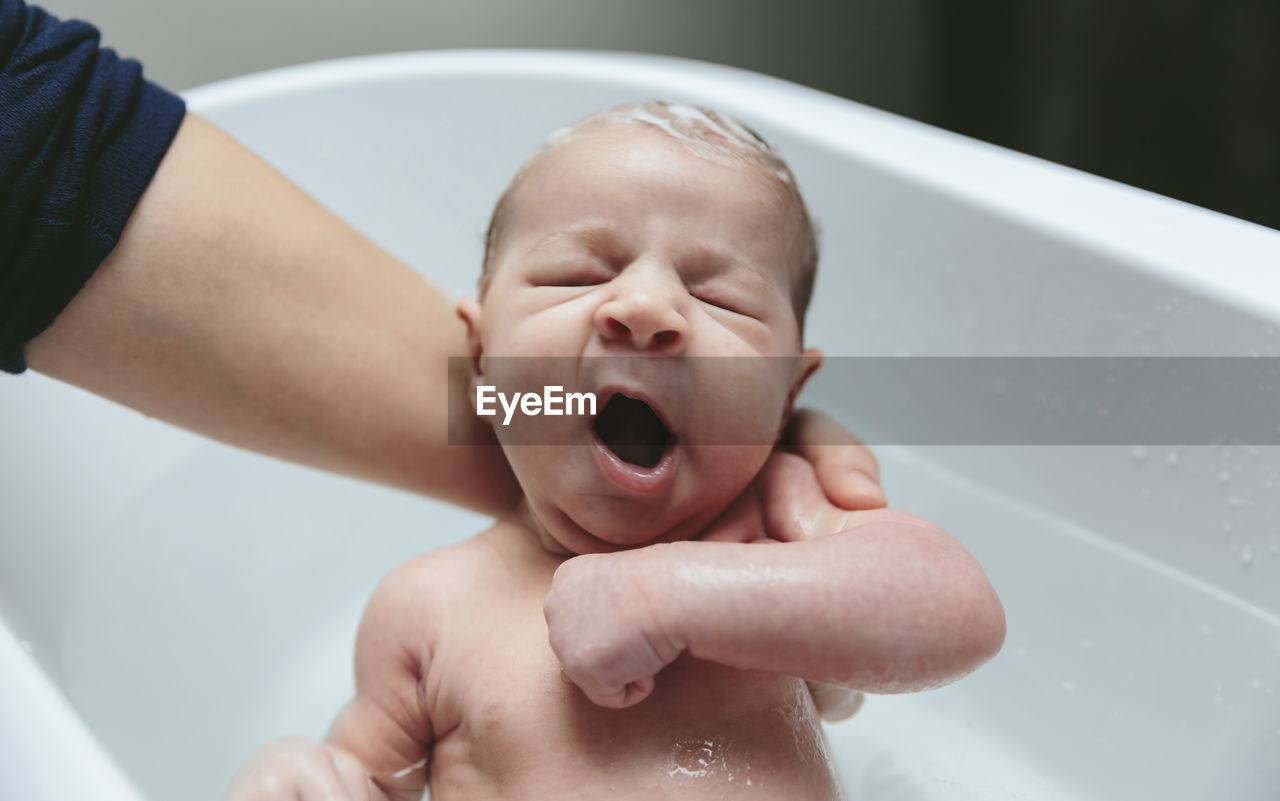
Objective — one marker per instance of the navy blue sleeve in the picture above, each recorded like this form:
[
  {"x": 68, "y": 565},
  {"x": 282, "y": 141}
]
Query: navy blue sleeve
[{"x": 81, "y": 135}]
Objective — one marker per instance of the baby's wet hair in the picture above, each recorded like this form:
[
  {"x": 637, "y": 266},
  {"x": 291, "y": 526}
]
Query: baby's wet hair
[{"x": 707, "y": 134}]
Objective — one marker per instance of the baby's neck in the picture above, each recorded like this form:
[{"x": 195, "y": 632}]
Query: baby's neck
[
  {"x": 534, "y": 531},
  {"x": 525, "y": 517}
]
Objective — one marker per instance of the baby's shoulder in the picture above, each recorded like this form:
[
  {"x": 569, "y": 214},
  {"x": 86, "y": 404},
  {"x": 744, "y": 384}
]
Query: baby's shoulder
[
  {"x": 447, "y": 586},
  {"x": 431, "y": 578}
]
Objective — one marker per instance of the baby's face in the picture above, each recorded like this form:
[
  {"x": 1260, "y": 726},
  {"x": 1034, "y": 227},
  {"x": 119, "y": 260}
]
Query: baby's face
[{"x": 622, "y": 243}]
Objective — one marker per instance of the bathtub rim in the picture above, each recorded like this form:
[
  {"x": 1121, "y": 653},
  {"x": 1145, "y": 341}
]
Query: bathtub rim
[
  {"x": 1204, "y": 251},
  {"x": 37, "y": 725}
]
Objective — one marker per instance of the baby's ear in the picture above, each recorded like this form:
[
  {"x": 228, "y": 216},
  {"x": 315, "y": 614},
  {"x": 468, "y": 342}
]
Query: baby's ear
[
  {"x": 810, "y": 361},
  {"x": 468, "y": 310}
]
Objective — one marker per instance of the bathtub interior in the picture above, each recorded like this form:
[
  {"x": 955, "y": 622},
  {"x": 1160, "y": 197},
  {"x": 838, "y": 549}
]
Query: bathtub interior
[{"x": 192, "y": 601}]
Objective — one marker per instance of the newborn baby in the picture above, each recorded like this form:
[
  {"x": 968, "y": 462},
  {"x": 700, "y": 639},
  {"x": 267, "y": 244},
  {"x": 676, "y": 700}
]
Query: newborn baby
[{"x": 647, "y": 622}]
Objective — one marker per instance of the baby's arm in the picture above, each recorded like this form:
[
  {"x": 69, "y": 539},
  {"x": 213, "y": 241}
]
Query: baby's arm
[
  {"x": 886, "y": 603},
  {"x": 378, "y": 747},
  {"x": 387, "y": 725}
]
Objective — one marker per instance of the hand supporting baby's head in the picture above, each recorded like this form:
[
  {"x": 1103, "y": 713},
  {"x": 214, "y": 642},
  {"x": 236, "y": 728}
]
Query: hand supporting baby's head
[{"x": 663, "y": 257}]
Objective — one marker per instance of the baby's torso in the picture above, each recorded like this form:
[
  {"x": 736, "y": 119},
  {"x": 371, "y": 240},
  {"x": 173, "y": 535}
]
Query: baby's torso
[{"x": 509, "y": 727}]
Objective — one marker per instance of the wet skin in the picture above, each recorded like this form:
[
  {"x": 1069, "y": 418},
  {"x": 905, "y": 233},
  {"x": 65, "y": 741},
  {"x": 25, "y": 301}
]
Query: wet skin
[{"x": 508, "y": 726}]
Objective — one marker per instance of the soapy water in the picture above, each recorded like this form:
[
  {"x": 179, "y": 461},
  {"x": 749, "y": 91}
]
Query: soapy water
[{"x": 712, "y": 758}]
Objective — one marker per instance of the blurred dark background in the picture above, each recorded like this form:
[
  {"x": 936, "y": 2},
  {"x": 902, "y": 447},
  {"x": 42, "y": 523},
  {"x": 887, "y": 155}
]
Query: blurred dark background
[
  {"x": 1181, "y": 98},
  {"x": 1178, "y": 97}
]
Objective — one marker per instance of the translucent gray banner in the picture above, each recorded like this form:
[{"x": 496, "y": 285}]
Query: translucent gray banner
[{"x": 927, "y": 400}]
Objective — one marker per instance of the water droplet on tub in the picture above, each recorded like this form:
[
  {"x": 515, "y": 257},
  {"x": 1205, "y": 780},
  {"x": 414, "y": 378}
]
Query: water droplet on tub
[
  {"x": 1246, "y": 556},
  {"x": 1069, "y": 686},
  {"x": 1224, "y": 477},
  {"x": 1206, "y": 629},
  {"x": 1171, "y": 458},
  {"x": 1139, "y": 454},
  {"x": 1237, "y": 503}
]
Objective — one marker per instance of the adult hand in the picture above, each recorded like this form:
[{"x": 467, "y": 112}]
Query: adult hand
[
  {"x": 846, "y": 469},
  {"x": 819, "y": 471},
  {"x": 297, "y": 768},
  {"x": 804, "y": 494}
]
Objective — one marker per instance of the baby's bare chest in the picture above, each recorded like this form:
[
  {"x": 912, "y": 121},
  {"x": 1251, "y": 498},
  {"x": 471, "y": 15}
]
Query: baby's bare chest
[{"x": 519, "y": 730}]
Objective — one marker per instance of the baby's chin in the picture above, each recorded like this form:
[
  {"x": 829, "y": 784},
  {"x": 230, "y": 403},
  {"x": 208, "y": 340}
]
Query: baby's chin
[{"x": 611, "y": 525}]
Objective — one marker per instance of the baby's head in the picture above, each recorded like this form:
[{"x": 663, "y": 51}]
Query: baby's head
[
  {"x": 704, "y": 133},
  {"x": 645, "y": 231}
]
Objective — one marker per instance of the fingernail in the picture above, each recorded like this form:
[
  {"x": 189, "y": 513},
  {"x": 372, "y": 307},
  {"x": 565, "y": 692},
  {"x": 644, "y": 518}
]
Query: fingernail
[{"x": 864, "y": 484}]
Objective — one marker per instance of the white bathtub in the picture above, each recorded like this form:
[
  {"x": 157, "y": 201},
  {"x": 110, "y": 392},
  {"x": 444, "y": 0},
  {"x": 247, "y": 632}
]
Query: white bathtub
[{"x": 144, "y": 651}]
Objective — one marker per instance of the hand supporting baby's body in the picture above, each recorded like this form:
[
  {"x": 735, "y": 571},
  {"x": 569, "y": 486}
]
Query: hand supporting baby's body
[
  {"x": 502, "y": 671},
  {"x": 298, "y": 769}
]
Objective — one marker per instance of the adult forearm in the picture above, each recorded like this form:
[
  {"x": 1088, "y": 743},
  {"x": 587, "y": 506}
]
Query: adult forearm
[
  {"x": 237, "y": 307},
  {"x": 886, "y": 607}
]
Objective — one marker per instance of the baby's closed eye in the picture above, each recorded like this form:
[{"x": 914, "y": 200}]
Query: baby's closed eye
[
  {"x": 726, "y": 298},
  {"x": 570, "y": 274}
]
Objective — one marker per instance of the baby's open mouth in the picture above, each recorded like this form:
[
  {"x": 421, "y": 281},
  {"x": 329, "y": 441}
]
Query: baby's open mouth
[{"x": 633, "y": 431}]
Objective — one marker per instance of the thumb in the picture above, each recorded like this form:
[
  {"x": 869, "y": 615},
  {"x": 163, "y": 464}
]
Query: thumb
[
  {"x": 741, "y": 522},
  {"x": 793, "y": 499}
]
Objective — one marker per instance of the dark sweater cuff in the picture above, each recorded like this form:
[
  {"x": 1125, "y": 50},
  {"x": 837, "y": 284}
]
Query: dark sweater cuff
[
  {"x": 125, "y": 168},
  {"x": 83, "y": 137}
]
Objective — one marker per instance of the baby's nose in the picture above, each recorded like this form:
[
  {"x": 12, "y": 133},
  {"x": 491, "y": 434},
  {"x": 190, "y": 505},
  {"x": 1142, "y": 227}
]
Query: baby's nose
[{"x": 643, "y": 315}]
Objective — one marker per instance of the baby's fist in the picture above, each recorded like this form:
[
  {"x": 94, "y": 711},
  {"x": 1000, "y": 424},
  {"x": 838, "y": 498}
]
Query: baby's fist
[
  {"x": 604, "y": 630},
  {"x": 296, "y": 769}
]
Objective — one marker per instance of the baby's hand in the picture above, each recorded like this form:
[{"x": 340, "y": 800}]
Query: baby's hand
[
  {"x": 296, "y": 769},
  {"x": 603, "y": 630}
]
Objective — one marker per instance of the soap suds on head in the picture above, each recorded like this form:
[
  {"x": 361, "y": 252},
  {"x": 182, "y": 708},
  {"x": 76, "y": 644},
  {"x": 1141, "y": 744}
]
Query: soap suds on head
[{"x": 706, "y": 133}]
